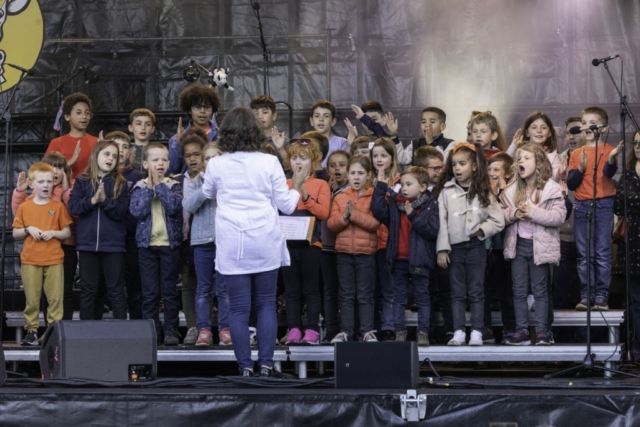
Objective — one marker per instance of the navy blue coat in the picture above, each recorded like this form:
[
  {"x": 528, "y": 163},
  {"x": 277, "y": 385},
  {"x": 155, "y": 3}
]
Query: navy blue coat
[
  {"x": 132, "y": 176},
  {"x": 100, "y": 227},
  {"x": 425, "y": 222}
]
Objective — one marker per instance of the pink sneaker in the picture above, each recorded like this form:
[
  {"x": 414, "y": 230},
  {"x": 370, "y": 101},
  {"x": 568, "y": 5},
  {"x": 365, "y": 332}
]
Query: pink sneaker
[
  {"x": 293, "y": 337},
  {"x": 311, "y": 337},
  {"x": 204, "y": 338},
  {"x": 225, "y": 337}
]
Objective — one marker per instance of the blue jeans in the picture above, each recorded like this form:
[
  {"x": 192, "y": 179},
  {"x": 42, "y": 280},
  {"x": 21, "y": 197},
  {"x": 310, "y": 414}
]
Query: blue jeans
[
  {"x": 600, "y": 245},
  {"x": 259, "y": 289},
  {"x": 466, "y": 275},
  {"x": 383, "y": 300},
  {"x": 523, "y": 272},
  {"x": 401, "y": 274},
  {"x": 209, "y": 281},
  {"x": 159, "y": 272}
]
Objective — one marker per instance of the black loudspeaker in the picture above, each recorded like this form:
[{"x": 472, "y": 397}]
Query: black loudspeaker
[
  {"x": 377, "y": 365},
  {"x": 3, "y": 366},
  {"x": 101, "y": 350}
]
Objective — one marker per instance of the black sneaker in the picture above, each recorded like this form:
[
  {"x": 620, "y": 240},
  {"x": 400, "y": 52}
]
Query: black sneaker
[
  {"x": 31, "y": 339},
  {"x": 246, "y": 372},
  {"x": 601, "y": 303},
  {"x": 507, "y": 337},
  {"x": 172, "y": 338},
  {"x": 487, "y": 336},
  {"x": 387, "y": 335},
  {"x": 542, "y": 338},
  {"x": 550, "y": 335},
  {"x": 520, "y": 337},
  {"x": 270, "y": 371}
]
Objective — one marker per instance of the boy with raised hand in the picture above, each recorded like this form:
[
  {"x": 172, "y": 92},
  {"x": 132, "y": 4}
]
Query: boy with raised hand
[
  {"x": 323, "y": 119},
  {"x": 374, "y": 122},
  {"x": 142, "y": 123},
  {"x": 200, "y": 103},
  {"x": 42, "y": 223},
  {"x": 433, "y": 122},
  {"x": 265, "y": 108}
]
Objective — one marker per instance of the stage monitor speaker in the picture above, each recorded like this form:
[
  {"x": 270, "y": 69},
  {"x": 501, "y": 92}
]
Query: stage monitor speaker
[
  {"x": 3, "y": 366},
  {"x": 101, "y": 350},
  {"x": 377, "y": 365}
]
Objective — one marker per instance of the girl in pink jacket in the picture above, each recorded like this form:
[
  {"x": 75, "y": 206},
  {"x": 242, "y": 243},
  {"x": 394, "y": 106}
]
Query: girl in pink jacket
[{"x": 534, "y": 208}]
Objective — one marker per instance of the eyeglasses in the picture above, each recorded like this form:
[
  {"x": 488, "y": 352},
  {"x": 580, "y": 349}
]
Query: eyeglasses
[
  {"x": 301, "y": 141},
  {"x": 202, "y": 107},
  {"x": 435, "y": 168},
  {"x": 188, "y": 156},
  {"x": 86, "y": 114}
]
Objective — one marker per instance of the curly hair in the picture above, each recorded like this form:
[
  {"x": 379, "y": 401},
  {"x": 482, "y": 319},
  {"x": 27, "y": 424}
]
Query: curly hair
[
  {"x": 193, "y": 136},
  {"x": 551, "y": 144},
  {"x": 197, "y": 94},
  {"x": 71, "y": 100},
  {"x": 240, "y": 130},
  {"x": 544, "y": 172},
  {"x": 487, "y": 118},
  {"x": 480, "y": 185}
]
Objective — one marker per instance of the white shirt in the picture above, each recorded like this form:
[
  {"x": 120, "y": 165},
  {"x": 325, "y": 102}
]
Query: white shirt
[{"x": 249, "y": 189}]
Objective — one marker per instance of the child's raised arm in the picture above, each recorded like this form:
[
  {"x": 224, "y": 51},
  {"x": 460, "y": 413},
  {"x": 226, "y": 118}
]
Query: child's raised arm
[{"x": 380, "y": 204}]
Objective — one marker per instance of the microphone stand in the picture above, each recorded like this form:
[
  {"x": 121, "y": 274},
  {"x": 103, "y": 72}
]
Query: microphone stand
[
  {"x": 6, "y": 116},
  {"x": 265, "y": 51},
  {"x": 624, "y": 112}
]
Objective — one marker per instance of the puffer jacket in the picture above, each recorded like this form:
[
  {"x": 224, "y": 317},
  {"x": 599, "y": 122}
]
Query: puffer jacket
[
  {"x": 170, "y": 194},
  {"x": 460, "y": 218},
  {"x": 358, "y": 234},
  {"x": 547, "y": 216}
]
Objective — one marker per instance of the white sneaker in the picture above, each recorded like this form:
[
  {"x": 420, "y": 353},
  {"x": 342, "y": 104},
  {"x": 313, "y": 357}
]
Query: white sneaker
[
  {"x": 476, "y": 338},
  {"x": 341, "y": 337},
  {"x": 370, "y": 337},
  {"x": 459, "y": 338}
]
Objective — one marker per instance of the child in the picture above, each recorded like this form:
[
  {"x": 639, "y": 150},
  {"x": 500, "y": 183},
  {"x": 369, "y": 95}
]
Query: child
[
  {"x": 100, "y": 201},
  {"x": 356, "y": 244},
  {"x": 157, "y": 204},
  {"x": 60, "y": 193},
  {"x": 533, "y": 207},
  {"x": 374, "y": 122},
  {"x": 383, "y": 157},
  {"x": 265, "y": 109},
  {"x": 413, "y": 222},
  {"x": 433, "y": 122},
  {"x": 203, "y": 211},
  {"x": 487, "y": 133},
  {"x": 192, "y": 143},
  {"x": 323, "y": 119},
  {"x": 584, "y": 161},
  {"x": 338, "y": 182},
  {"x": 538, "y": 128},
  {"x": 200, "y": 103},
  {"x": 132, "y": 279},
  {"x": 497, "y": 282},
  {"x": 42, "y": 223},
  {"x": 142, "y": 123},
  {"x": 75, "y": 146},
  {"x": 469, "y": 214},
  {"x": 360, "y": 146},
  {"x": 302, "y": 276}
]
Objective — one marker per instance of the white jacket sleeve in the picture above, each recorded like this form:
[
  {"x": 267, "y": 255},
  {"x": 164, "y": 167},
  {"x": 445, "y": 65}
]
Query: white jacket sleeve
[
  {"x": 286, "y": 200},
  {"x": 442, "y": 243}
]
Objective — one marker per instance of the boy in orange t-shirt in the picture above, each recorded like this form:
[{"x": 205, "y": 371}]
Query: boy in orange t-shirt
[
  {"x": 584, "y": 162},
  {"x": 42, "y": 223}
]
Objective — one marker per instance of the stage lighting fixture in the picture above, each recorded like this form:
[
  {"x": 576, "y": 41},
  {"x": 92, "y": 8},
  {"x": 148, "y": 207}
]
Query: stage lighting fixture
[{"x": 191, "y": 74}]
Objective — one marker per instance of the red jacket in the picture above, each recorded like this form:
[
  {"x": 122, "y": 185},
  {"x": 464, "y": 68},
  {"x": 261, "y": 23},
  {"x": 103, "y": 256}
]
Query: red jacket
[{"x": 358, "y": 234}]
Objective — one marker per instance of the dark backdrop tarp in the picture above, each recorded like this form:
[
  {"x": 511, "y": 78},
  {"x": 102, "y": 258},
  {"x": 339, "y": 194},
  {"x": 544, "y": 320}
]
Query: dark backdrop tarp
[{"x": 508, "y": 56}]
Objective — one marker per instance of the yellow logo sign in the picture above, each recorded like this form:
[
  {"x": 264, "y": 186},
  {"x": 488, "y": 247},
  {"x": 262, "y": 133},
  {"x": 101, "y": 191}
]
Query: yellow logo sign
[{"x": 21, "y": 37}]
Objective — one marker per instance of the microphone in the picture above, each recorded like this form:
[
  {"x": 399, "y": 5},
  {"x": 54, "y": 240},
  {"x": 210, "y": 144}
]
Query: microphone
[
  {"x": 353, "y": 43},
  {"x": 597, "y": 62},
  {"x": 577, "y": 129},
  {"x": 90, "y": 76},
  {"x": 255, "y": 5},
  {"x": 28, "y": 72}
]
